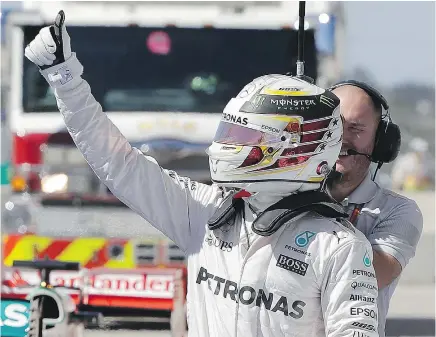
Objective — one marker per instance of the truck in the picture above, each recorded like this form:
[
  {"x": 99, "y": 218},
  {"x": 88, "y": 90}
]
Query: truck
[{"x": 163, "y": 72}]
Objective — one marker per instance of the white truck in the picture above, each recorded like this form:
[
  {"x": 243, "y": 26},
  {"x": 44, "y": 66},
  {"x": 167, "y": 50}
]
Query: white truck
[{"x": 163, "y": 71}]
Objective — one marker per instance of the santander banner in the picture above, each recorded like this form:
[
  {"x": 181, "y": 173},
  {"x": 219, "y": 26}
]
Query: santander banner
[
  {"x": 105, "y": 283},
  {"x": 159, "y": 286}
]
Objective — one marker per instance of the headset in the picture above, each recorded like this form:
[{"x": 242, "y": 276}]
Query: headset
[{"x": 388, "y": 135}]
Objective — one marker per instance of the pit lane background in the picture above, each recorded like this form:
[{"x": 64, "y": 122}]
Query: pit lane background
[{"x": 412, "y": 310}]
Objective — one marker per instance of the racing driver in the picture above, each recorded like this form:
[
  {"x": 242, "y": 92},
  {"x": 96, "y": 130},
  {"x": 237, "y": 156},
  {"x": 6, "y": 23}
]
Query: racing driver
[{"x": 269, "y": 253}]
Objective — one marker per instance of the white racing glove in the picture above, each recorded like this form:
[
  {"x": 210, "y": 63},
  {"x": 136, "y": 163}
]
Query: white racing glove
[{"x": 50, "y": 50}]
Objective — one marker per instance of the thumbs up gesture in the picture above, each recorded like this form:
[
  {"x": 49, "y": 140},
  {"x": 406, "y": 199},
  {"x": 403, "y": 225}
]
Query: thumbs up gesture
[
  {"x": 50, "y": 50},
  {"x": 51, "y": 46}
]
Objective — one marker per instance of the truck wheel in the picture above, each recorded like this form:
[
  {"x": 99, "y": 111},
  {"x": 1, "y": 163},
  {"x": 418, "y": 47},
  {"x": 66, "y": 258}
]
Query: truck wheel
[{"x": 35, "y": 318}]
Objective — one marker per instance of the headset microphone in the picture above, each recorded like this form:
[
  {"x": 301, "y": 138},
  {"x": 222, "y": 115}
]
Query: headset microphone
[{"x": 355, "y": 153}]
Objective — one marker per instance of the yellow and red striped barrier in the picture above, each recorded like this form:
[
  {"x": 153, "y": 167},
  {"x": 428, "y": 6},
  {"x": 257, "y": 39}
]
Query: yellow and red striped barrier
[{"x": 90, "y": 252}]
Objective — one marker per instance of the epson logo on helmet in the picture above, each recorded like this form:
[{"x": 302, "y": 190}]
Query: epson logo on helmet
[
  {"x": 235, "y": 119},
  {"x": 270, "y": 128}
]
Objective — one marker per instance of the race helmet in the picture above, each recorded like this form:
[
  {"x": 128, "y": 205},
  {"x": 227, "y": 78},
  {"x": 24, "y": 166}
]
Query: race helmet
[{"x": 280, "y": 134}]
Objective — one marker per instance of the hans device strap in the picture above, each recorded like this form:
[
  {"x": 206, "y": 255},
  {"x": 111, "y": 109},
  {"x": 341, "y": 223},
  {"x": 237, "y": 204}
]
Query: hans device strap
[
  {"x": 227, "y": 211},
  {"x": 275, "y": 216}
]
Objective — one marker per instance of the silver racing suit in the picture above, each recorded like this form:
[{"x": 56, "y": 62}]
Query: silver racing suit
[{"x": 313, "y": 277}]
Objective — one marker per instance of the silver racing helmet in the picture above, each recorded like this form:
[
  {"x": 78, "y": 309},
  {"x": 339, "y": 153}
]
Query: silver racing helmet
[{"x": 280, "y": 134}]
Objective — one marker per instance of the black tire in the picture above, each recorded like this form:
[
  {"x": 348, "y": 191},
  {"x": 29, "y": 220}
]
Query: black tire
[{"x": 35, "y": 317}]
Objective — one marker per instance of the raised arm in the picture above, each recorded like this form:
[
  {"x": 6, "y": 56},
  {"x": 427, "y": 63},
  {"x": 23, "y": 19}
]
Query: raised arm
[{"x": 176, "y": 206}]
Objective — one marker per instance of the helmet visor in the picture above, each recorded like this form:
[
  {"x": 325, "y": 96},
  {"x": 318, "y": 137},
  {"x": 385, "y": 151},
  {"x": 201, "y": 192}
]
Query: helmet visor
[{"x": 234, "y": 134}]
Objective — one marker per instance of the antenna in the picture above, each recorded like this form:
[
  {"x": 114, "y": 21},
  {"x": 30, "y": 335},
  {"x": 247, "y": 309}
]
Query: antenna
[{"x": 300, "y": 60}]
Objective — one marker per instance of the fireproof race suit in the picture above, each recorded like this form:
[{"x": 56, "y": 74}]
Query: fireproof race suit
[{"x": 313, "y": 277}]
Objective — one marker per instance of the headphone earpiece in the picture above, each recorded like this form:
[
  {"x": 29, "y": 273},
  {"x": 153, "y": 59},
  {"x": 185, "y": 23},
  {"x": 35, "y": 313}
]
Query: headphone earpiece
[
  {"x": 387, "y": 142},
  {"x": 388, "y": 135}
]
